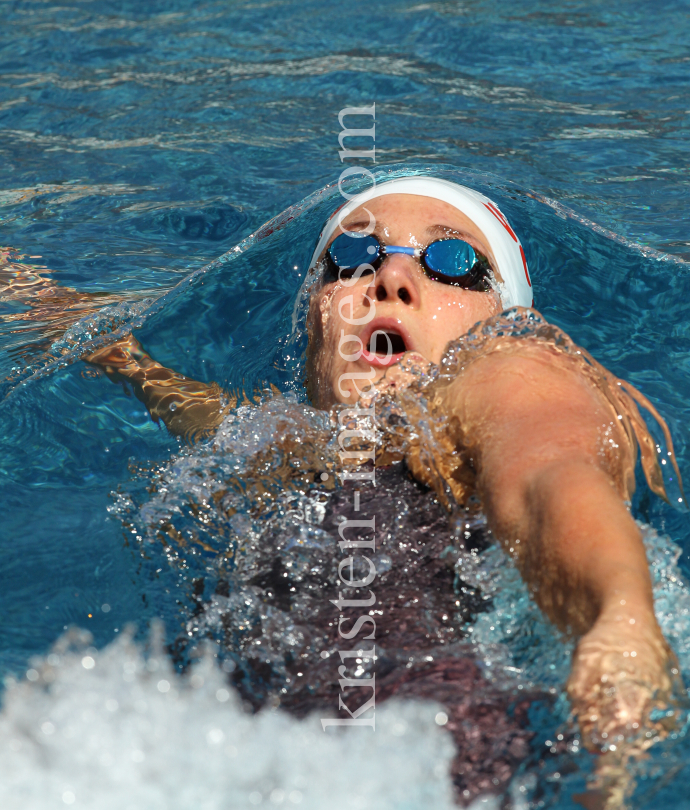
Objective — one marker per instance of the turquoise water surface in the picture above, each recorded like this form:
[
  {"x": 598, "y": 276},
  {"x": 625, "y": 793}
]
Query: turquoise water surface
[{"x": 140, "y": 144}]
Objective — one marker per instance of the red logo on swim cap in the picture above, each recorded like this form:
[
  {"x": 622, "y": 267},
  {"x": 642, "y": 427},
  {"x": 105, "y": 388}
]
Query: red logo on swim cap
[
  {"x": 499, "y": 216},
  {"x": 524, "y": 264}
]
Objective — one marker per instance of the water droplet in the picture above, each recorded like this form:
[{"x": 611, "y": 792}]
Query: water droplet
[{"x": 215, "y": 736}]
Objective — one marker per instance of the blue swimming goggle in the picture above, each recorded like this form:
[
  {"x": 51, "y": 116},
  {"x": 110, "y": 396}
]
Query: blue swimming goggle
[{"x": 450, "y": 261}]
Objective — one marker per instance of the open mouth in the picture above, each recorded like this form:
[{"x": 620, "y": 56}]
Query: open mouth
[{"x": 386, "y": 343}]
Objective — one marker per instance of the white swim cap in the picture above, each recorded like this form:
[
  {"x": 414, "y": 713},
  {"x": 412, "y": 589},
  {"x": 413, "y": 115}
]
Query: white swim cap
[{"x": 516, "y": 289}]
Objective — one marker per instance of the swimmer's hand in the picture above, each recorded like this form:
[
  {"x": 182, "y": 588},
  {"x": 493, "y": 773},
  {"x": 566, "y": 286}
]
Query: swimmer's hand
[
  {"x": 411, "y": 367},
  {"x": 624, "y": 686}
]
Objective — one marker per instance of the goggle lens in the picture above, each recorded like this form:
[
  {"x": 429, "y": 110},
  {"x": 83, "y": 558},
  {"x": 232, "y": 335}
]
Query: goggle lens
[
  {"x": 452, "y": 258},
  {"x": 349, "y": 252}
]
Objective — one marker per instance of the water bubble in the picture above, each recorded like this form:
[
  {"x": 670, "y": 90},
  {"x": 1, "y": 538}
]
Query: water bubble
[
  {"x": 441, "y": 719},
  {"x": 255, "y": 797},
  {"x": 295, "y": 796},
  {"x": 32, "y": 674},
  {"x": 68, "y": 797},
  {"x": 163, "y": 686},
  {"x": 222, "y": 695},
  {"x": 105, "y": 607},
  {"x": 88, "y": 662},
  {"x": 47, "y": 727}
]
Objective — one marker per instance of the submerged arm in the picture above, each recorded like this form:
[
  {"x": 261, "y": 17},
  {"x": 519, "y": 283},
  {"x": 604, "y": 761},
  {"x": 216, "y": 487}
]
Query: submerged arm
[{"x": 185, "y": 406}]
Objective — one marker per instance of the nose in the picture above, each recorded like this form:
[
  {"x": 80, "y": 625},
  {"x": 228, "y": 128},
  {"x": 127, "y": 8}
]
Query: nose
[{"x": 395, "y": 281}]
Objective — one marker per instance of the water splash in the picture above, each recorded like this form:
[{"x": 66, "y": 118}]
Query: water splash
[
  {"x": 514, "y": 638},
  {"x": 117, "y": 729}
]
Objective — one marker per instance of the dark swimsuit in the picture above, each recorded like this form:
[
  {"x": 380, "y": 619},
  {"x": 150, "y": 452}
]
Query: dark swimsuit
[{"x": 421, "y": 611}]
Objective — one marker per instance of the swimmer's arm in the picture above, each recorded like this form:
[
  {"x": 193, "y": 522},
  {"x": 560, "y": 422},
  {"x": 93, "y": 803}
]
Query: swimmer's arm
[
  {"x": 537, "y": 429},
  {"x": 185, "y": 406},
  {"x": 555, "y": 497}
]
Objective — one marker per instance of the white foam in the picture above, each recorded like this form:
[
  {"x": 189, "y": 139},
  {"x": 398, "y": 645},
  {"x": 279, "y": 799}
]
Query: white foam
[{"x": 113, "y": 730}]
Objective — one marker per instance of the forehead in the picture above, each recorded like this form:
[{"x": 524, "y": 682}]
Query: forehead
[
  {"x": 404, "y": 205},
  {"x": 403, "y": 216}
]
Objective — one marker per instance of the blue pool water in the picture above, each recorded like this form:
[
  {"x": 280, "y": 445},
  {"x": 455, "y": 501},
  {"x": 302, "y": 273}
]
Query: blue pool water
[{"x": 139, "y": 144}]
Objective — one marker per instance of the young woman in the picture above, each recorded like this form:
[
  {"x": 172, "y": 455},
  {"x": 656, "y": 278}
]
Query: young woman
[{"x": 522, "y": 421}]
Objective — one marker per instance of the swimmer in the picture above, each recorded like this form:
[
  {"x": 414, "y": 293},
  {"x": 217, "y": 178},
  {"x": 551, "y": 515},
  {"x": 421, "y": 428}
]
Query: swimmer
[{"x": 546, "y": 438}]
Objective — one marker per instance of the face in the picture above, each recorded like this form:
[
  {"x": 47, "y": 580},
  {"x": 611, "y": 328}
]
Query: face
[{"x": 358, "y": 328}]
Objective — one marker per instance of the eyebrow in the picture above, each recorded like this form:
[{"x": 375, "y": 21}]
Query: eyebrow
[
  {"x": 445, "y": 230},
  {"x": 352, "y": 226}
]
